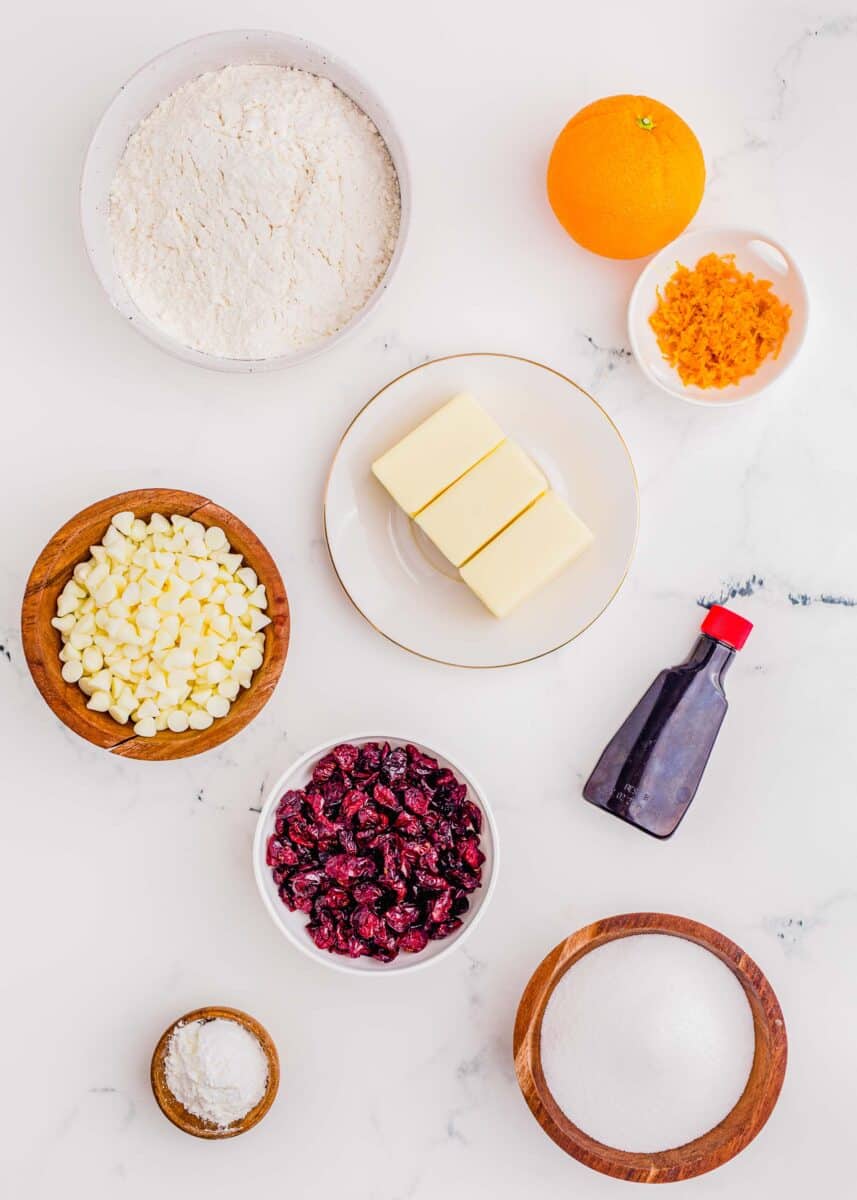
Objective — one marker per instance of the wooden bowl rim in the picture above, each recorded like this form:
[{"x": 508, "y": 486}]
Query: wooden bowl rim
[
  {"x": 175, "y": 1111},
  {"x": 717, "y": 1145},
  {"x": 99, "y": 728}
]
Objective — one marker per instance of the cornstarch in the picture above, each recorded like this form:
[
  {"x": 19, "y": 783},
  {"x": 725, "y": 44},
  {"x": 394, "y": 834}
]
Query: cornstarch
[{"x": 216, "y": 1069}]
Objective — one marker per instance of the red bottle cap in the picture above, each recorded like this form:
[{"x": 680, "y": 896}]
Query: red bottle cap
[{"x": 726, "y": 626}]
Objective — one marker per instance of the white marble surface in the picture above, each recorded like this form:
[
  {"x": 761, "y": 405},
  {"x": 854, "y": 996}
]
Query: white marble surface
[{"x": 126, "y": 890}]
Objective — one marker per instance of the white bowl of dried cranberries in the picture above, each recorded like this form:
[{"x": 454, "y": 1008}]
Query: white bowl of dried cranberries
[{"x": 375, "y": 854}]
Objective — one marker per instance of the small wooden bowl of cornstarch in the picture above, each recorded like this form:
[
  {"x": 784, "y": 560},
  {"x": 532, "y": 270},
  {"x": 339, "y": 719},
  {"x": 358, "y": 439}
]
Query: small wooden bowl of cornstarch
[
  {"x": 175, "y": 1111},
  {"x": 293, "y": 257},
  {"x": 42, "y": 642},
  {"x": 714, "y": 1147}
]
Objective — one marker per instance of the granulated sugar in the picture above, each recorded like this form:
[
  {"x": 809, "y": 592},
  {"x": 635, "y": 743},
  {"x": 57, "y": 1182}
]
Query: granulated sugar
[{"x": 647, "y": 1042}]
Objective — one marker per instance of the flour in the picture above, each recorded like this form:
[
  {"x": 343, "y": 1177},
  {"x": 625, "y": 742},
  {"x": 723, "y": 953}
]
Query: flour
[
  {"x": 216, "y": 1069},
  {"x": 254, "y": 212},
  {"x": 647, "y": 1042}
]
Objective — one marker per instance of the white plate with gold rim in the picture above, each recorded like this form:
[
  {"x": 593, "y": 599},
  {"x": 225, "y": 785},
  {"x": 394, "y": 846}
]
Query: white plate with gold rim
[{"x": 404, "y": 587}]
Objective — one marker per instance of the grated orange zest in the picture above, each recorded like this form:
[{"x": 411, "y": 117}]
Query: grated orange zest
[{"x": 716, "y": 324}]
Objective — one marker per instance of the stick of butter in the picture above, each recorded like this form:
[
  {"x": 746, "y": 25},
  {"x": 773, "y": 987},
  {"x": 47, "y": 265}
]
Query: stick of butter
[
  {"x": 482, "y": 502},
  {"x": 436, "y": 453},
  {"x": 527, "y": 555}
]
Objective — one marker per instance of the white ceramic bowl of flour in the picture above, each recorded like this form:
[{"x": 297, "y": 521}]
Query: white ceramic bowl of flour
[{"x": 151, "y": 85}]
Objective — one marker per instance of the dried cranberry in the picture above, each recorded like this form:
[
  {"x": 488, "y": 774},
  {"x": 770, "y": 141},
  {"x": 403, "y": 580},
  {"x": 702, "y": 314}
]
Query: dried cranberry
[
  {"x": 389, "y": 847},
  {"x": 356, "y": 947},
  {"x": 322, "y": 934},
  {"x": 290, "y": 805},
  {"x": 431, "y": 883},
  {"x": 474, "y": 814},
  {"x": 369, "y": 817},
  {"x": 396, "y": 885},
  {"x": 315, "y": 803},
  {"x": 300, "y": 832},
  {"x": 401, "y": 917},
  {"x": 386, "y": 797},
  {"x": 429, "y": 860},
  {"x": 324, "y": 768},
  {"x": 394, "y": 764},
  {"x": 439, "y": 932},
  {"x": 279, "y": 854},
  {"x": 306, "y": 883},
  {"x": 333, "y": 790},
  {"x": 377, "y": 829},
  {"x": 345, "y": 867},
  {"x": 470, "y": 853},
  {"x": 407, "y": 823},
  {"x": 420, "y": 764},
  {"x": 369, "y": 758},
  {"x": 346, "y": 757},
  {"x": 464, "y": 880},
  {"x": 409, "y": 856},
  {"x": 366, "y": 923},
  {"x": 352, "y": 802},
  {"x": 416, "y": 801},
  {"x": 440, "y": 908},
  {"x": 335, "y": 897},
  {"x": 348, "y": 841},
  {"x": 413, "y": 941}
]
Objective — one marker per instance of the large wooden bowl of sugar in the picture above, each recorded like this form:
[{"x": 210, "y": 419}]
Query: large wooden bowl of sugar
[
  {"x": 717, "y": 1145},
  {"x": 42, "y": 642}
]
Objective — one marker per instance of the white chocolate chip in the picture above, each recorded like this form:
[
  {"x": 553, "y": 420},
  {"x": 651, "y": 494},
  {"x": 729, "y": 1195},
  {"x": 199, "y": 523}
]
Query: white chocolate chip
[
  {"x": 215, "y": 538},
  {"x": 177, "y": 721},
  {"x": 71, "y": 671},
  {"x": 123, "y": 522},
  {"x": 247, "y": 576},
  {"x": 161, "y": 624},
  {"x": 251, "y": 658},
  {"x": 258, "y": 597},
  {"x": 93, "y": 660}
]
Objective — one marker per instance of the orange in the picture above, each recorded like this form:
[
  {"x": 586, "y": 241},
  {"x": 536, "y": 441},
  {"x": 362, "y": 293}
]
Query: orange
[{"x": 625, "y": 176}]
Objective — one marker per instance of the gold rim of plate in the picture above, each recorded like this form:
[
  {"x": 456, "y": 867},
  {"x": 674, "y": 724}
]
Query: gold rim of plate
[{"x": 513, "y": 662}]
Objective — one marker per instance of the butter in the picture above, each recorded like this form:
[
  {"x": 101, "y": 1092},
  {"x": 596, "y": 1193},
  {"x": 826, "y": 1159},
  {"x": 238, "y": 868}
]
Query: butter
[
  {"x": 437, "y": 452},
  {"x": 482, "y": 502},
  {"x": 529, "y": 554}
]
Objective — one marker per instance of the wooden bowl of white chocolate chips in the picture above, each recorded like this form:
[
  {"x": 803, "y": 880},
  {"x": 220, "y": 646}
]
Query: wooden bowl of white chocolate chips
[{"x": 183, "y": 660}]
